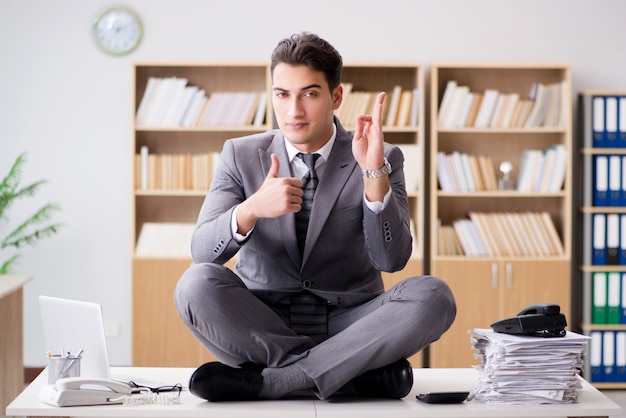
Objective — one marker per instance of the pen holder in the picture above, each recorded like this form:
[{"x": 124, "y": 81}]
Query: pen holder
[{"x": 61, "y": 367}]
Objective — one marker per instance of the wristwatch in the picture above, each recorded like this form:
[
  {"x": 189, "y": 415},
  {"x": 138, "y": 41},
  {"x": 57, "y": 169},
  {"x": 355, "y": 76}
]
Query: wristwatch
[{"x": 382, "y": 171}]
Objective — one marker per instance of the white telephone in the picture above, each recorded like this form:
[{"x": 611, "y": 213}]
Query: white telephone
[{"x": 75, "y": 391}]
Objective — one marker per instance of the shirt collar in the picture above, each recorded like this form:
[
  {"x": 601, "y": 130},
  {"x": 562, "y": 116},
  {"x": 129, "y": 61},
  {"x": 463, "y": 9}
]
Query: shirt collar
[{"x": 324, "y": 151}]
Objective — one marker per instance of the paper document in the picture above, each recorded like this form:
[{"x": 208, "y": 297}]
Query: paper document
[{"x": 528, "y": 370}]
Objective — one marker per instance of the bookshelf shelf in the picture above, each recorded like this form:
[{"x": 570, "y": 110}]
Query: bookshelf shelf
[
  {"x": 511, "y": 271},
  {"x": 160, "y": 205},
  {"x": 505, "y": 194},
  {"x": 171, "y": 193},
  {"x": 602, "y": 267}
]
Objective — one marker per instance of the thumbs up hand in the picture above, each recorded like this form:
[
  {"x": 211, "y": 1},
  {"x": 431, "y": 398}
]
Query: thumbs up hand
[{"x": 277, "y": 196}]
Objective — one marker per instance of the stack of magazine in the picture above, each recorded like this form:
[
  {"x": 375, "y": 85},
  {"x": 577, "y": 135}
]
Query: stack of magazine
[{"x": 518, "y": 369}]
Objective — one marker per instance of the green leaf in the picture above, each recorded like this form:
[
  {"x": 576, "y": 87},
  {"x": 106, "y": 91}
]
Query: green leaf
[{"x": 33, "y": 228}]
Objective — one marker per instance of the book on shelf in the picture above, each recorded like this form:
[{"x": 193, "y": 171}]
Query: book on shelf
[
  {"x": 414, "y": 242},
  {"x": 401, "y": 110},
  {"x": 477, "y": 99},
  {"x": 542, "y": 170},
  {"x": 171, "y": 102},
  {"x": 607, "y": 297},
  {"x": 394, "y": 104},
  {"x": 487, "y": 107},
  {"x": 415, "y": 108},
  {"x": 448, "y": 241},
  {"x": 164, "y": 239},
  {"x": 530, "y": 234},
  {"x": 607, "y": 356},
  {"x": 174, "y": 171},
  {"x": 228, "y": 108},
  {"x": 603, "y": 119},
  {"x": 548, "y": 110},
  {"x": 161, "y": 99},
  {"x": 498, "y": 111},
  {"x": 404, "y": 108},
  {"x": 261, "y": 110},
  {"x": 461, "y": 172},
  {"x": 461, "y": 107},
  {"x": 446, "y": 102},
  {"x": 412, "y": 156},
  {"x": 451, "y": 116},
  {"x": 194, "y": 109}
]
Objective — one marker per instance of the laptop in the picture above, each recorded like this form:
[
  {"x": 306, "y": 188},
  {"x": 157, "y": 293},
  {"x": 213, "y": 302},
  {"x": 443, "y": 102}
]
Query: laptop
[{"x": 70, "y": 326}]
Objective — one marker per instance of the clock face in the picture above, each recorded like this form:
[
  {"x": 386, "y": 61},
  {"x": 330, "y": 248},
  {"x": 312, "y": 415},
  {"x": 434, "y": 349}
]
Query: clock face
[{"x": 117, "y": 31}]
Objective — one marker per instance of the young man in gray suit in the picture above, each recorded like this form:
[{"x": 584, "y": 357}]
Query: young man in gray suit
[{"x": 311, "y": 315}]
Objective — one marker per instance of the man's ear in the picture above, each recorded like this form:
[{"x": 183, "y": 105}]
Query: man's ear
[{"x": 337, "y": 96}]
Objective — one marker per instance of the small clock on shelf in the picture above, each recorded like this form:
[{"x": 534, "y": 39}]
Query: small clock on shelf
[{"x": 117, "y": 30}]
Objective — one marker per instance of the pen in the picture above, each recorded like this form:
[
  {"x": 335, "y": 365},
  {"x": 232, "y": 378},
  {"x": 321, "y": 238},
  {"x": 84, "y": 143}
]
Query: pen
[{"x": 69, "y": 365}]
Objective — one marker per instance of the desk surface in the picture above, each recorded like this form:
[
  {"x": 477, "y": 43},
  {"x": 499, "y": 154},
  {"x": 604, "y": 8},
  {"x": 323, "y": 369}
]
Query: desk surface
[{"x": 591, "y": 401}]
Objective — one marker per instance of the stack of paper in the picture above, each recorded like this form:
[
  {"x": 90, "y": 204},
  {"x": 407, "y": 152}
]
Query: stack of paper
[{"x": 528, "y": 370}]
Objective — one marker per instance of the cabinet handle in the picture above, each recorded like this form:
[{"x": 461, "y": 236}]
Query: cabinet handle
[
  {"x": 494, "y": 275},
  {"x": 509, "y": 275}
]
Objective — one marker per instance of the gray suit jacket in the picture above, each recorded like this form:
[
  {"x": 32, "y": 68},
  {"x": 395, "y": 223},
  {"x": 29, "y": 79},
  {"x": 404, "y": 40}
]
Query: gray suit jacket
[{"x": 347, "y": 245}]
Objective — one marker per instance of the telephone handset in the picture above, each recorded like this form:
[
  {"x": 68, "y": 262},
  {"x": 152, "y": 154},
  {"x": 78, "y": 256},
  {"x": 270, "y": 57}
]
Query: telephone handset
[
  {"x": 542, "y": 320},
  {"x": 75, "y": 391}
]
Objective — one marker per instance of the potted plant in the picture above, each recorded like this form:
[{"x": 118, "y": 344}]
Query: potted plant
[{"x": 30, "y": 230}]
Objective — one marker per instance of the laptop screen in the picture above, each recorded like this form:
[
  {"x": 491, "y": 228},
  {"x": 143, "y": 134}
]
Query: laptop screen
[{"x": 70, "y": 326}]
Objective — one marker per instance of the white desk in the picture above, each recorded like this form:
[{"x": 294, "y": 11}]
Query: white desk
[{"x": 592, "y": 403}]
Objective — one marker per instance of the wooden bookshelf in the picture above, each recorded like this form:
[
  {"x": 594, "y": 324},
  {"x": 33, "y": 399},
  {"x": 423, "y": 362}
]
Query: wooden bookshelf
[
  {"x": 155, "y": 321},
  {"x": 601, "y": 142},
  {"x": 156, "y": 324},
  {"x": 492, "y": 286}
]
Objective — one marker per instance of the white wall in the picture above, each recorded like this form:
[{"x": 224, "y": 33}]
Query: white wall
[{"x": 68, "y": 105}]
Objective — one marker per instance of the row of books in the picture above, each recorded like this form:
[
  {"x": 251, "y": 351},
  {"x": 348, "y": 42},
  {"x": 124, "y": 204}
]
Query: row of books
[
  {"x": 609, "y": 185},
  {"x": 172, "y": 102},
  {"x": 164, "y": 239},
  {"x": 546, "y": 106},
  {"x": 461, "y": 172},
  {"x": 609, "y": 240},
  {"x": 542, "y": 170},
  {"x": 401, "y": 106},
  {"x": 500, "y": 234},
  {"x": 608, "y": 293},
  {"x": 607, "y": 356},
  {"x": 174, "y": 171},
  {"x": 608, "y": 115}
]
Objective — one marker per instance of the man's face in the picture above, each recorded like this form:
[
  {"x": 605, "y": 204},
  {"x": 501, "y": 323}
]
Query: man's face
[{"x": 304, "y": 105}]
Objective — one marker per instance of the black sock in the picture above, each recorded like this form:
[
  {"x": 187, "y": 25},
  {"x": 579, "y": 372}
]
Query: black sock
[{"x": 280, "y": 381}]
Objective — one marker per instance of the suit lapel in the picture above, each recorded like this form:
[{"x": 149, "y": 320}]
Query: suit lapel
[
  {"x": 285, "y": 225},
  {"x": 338, "y": 168}
]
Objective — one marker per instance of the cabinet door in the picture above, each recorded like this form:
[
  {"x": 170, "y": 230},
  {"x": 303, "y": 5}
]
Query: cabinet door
[
  {"x": 159, "y": 335},
  {"x": 475, "y": 285},
  {"x": 537, "y": 281},
  {"x": 487, "y": 291}
]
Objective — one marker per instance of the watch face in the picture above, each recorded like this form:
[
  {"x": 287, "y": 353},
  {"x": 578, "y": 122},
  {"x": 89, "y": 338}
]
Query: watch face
[{"x": 117, "y": 31}]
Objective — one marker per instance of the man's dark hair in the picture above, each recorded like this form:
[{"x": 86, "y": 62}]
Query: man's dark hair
[{"x": 310, "y": 50}]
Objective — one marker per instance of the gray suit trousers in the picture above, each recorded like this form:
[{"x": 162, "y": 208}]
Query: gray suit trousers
[{"x": 237, "y": 327}]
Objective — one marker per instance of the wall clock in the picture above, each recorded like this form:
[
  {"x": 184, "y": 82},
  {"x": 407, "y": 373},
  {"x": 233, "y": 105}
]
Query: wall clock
[{"x": 117, "y": 30}]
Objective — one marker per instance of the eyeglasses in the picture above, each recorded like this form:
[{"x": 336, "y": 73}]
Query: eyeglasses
[{"x": 174, "y": 388}]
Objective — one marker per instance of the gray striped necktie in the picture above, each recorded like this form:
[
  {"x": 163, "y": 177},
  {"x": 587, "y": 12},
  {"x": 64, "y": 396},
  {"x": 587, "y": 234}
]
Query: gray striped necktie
[{"x": 309, "y": 184}]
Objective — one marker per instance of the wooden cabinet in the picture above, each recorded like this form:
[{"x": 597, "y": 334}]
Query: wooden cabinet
[
  {"x": 489, "y": 290},
  {"x": 601, "y": 272},
  {"x": 498, "y": 283},
  {"x": 163, "y": 149},
  {"x": 11, "y": 344}
]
